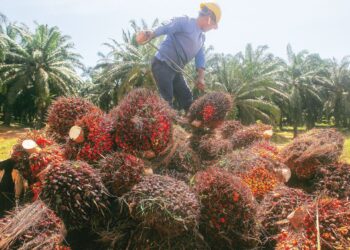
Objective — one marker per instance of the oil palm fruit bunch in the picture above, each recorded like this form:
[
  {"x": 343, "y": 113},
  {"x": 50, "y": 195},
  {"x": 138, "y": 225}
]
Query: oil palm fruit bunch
[
  {"x": 63, "y": 113},
  {"x": 75, "y": 191},
  {"x": 274, "y": 209},
  {"x": 33, "y": 152},
  {"x": 228, "y": 128},
  {"x": 210, "y": 110},
  {"x": 228, "y": 216},
  {"x": 143, "y": 123},
  {"x": 90, "y": 138},
  {"x": 120, "y": 172},
  {"x": 311, "y": 150},
  {"x": 181, "y": 161},
  {"x": 164, "y": 204},
  {"x": 248, "y": 135},
  {"x": 33, "y": 226},
  {"x": 212, "y": 146},
  {"x": 333, "y": 180},
  {"x": 329, "y": 218},
  {"x": 257, "y": 172}
]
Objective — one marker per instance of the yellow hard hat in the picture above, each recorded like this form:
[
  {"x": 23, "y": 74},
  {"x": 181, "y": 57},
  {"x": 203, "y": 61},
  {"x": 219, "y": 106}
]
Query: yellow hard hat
[{"x": 214, "y": 7}]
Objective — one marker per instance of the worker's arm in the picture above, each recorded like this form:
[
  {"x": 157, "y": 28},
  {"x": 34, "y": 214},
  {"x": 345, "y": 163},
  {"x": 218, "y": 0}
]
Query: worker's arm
[
  {"x": 200, "y": 66},
  {"x": 175, "y": 25}
]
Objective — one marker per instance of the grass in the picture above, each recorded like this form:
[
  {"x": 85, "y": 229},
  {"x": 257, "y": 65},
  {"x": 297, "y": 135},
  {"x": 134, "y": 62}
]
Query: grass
[
  {"x": 5, "y": 147},
  {"x": 8, "y": 138}
]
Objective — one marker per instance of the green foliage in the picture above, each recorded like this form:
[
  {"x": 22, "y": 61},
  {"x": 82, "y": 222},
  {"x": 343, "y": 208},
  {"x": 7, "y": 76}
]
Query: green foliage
[{"x": 41, "y": 63}]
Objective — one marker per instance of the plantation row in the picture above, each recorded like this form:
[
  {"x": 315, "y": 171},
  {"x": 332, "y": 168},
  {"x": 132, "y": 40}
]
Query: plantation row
[
  {"x": 40, "y": 65},
  {"x": 134, "y": 178}
]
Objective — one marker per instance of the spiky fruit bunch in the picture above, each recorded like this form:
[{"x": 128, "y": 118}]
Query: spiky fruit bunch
[
  {"x": 120, "y": 172},
  {"x": 333, "y": 180},
  {"x": 33, "y": 226},
  {"x": 64, "y": 111},
  {"x": 75, "y": 192},
  {"x": 211, "y": 109},
  {"x": 248, "y": 135},
  {"x": 182, "y": 164},
  {"x": 333, "y": 217},
  {"x": 275, "y": 208},
  {"x": 307, "y": 152},
  {"x": 165, "y": 204},
  {"x": 228, "y": 128},
  {"x": 97, "y": 138},
  {"x": 212, "y": 146},
  {"x": 260, "y": 174},
  {"x": 266, "y": 150},
  {"x": 228, "y": 217},
  {"x": 143, "y": 122},
  {"x": 30, "y": 165}
]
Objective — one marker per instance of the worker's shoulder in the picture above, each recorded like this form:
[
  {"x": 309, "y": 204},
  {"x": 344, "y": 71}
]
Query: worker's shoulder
[{"x": 183, "y": 19}]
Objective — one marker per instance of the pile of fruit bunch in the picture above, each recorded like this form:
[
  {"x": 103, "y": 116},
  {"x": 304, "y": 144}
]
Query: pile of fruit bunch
[
  {"x": 210, "y": 110},
  {"x": 257, "y": 172},
  {"x": 228, "y": 216},
  {"x": 97, "y": 140},
  {"x": 266, "y": 150},
  {"x": 311, "y": 150},
  {"x": 33, "y": 226},
  {"x": 63, "y": 113},
  {"x": 120, "y": 172},
  {"x": 248, "y": 135},
  {"x": 274, "y": 209},
  {"x": 74, "y": 190},
  {"x": 143, "y": 123},
  {"x": 333, "y": 227},
  {"x": 333, "y": 180},
  {"x": 164, "y": 204}
]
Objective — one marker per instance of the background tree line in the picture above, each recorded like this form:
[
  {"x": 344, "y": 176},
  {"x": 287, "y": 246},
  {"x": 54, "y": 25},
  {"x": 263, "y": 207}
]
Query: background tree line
[{"x": 36, "y": 66}]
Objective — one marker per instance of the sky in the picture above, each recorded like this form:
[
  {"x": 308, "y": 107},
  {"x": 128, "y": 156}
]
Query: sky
[{"x": 319, "y": 26}]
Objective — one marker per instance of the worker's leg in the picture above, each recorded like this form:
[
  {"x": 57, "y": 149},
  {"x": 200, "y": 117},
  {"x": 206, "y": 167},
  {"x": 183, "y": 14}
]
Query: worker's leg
[
  {"x": 164, "y": 77},
  {"x": 182, "y": 92}
]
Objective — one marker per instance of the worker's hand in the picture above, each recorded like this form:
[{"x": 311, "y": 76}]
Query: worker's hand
[
  {"x": 200, "y": 84},
  {"x": 144, "y": 37}
]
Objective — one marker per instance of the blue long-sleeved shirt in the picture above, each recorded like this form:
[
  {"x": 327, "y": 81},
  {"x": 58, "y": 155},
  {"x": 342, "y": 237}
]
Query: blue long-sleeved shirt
[{"x": 184, "y": 42}]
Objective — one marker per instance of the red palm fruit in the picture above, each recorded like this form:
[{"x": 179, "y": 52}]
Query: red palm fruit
[
  {"x": 63, "y": 113},
  {"x": 228, "y": 216},
  {"x": 210, "y": 110},
  {"x": 143, "y": 123},
  {"x": 330, "y": 218},
  {"x": 97, "y": 138}
]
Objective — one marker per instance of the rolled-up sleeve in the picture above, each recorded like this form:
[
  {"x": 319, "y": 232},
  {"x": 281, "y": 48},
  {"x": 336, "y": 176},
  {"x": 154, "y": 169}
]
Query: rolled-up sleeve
[
  {"x": 175, "y": 25},
  {"x": 200, "y": 59}
]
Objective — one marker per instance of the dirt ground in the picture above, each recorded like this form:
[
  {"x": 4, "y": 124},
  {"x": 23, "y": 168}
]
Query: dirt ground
[{"x": 8, "y": 138}]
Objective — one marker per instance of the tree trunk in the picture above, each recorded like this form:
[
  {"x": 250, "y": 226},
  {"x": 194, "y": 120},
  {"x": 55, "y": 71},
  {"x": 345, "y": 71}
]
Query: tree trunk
[
  {"x": 7, "y": 114},
  {"x": 280, "y": 123},
  {"x": 295, "y": 130}
]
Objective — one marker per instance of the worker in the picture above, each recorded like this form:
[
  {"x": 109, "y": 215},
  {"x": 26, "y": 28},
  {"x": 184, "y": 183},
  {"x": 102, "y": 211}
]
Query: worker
[{"x": 184, "y": 41}]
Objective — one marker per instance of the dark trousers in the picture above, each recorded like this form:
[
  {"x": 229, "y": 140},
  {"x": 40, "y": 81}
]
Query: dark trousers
[{"x": 171, "y": 84}]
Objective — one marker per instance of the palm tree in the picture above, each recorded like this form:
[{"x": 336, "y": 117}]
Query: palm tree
[
  {"x": 298, "y": 80},
  {"x": 337, "y": 86},
  {"x": 126, "y": 66},
  {"x": 249, "y": 77},
  {"x": 42, "y": 60}
]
